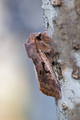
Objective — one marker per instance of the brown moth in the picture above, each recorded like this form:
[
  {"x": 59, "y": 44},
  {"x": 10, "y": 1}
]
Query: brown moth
[{"x": 39, "y": 50}]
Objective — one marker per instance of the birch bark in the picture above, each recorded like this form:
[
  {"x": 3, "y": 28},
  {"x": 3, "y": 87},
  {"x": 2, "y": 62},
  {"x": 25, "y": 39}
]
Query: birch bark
[{"x": 64, "y": 30}]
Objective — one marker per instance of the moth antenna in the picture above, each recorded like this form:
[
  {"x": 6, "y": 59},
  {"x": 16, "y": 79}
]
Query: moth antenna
[{"x": 47, "y": 27}]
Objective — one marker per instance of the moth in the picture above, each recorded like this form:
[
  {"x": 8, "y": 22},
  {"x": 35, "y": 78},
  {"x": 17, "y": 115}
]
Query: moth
[{"x": 39, "y": 50}]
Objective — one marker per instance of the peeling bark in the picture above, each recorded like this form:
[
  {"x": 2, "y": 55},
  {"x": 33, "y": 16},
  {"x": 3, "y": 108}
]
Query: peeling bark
[{"x": 64, "y": 30}]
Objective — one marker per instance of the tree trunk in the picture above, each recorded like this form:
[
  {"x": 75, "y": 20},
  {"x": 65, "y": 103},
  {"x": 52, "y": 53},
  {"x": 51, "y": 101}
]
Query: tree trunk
[{"x": 63, "y": 18}]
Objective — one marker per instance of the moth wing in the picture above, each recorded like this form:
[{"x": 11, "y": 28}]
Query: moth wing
[
  {"x": 30, "y": 46},
  {"x": 45, "y": 82},
  {"x": 47, "y": 87}
]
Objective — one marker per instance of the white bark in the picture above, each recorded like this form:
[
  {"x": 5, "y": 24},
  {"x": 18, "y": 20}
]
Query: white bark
[{"x": 64, "y": 29}]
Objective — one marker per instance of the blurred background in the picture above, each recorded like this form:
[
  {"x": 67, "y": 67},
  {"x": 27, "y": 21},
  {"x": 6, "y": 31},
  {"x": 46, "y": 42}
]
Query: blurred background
[{"x": 20, "y": 98}]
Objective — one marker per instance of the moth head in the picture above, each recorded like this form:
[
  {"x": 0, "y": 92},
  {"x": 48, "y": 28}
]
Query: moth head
[{"x": 38, "y": 37}]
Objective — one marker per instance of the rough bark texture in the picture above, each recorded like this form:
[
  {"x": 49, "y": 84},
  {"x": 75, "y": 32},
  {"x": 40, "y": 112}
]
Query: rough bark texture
[{"x": 64, "y": 29}]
